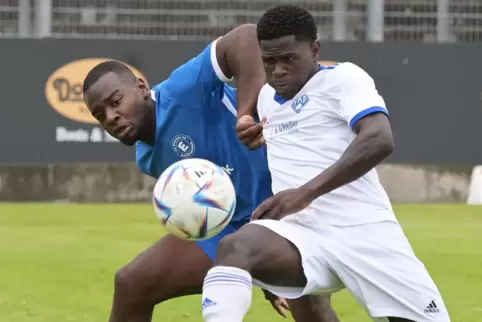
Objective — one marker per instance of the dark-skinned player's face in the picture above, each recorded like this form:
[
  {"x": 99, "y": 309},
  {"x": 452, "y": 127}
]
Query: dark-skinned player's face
[
  {"x": 121, "y": 105},
  {"x": 289, "y": 63}
]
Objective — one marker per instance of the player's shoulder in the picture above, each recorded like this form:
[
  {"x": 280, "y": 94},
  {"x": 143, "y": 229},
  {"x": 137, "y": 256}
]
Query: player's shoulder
[
  {"x": 164, "y": 96},
  {"x": 174, "y": 84},
  {"x": 156, "y": 90},
  {"x": 180, "y": 88},
  {"x": 265, "y": 99},
  {"x": 341, "y": 73},
  {"x": 266, "y": 91},
  {"x": 342, "y": 67},
  {"x": 201, "y": 69},
  {"x": 342, "y": 78}
]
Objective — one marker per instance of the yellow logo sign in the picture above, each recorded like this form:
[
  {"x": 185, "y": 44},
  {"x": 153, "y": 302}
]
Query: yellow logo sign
[{"x": 64, "y": 89}]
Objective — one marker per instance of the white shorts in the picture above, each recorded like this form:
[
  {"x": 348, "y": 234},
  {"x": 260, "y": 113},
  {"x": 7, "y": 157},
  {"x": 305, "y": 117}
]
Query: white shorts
[{"x": 374, "y": 261}]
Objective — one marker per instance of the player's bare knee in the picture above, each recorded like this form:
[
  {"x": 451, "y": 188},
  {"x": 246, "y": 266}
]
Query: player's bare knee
[
  {"x": 231, "y": 251},
  {"x": 313, "y": 308},
  {"x": 132, "y": 288},
  {"x": 124, "y": 280},
  {"x": 235, "y": 251}
]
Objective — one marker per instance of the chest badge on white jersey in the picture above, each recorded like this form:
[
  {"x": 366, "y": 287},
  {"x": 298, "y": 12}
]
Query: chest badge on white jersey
[{"x": 299, "y": 103}]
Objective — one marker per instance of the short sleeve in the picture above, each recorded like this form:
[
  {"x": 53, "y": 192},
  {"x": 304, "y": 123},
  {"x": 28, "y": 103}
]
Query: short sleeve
[
  {"x": 201, "y": 75},
  {"x": 356, "y": 93},
  {"x": 262, "y": 104}
]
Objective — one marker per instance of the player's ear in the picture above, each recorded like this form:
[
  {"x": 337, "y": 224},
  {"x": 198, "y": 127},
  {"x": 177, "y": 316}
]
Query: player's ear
[
  {"x": 144, "y": 87},
  {"x": 316, "y": 50}
]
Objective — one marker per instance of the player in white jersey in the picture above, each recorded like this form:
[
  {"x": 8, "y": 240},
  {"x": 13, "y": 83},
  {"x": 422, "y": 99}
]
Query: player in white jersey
[{"x": 330, "y": 224}]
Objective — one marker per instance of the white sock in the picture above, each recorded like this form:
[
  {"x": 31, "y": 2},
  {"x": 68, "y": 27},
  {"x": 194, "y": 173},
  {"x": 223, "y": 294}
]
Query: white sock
[{"x": 227, "y": 293}]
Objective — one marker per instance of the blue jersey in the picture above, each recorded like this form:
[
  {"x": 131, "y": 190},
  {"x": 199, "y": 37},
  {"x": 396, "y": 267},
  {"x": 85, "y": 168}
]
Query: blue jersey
[{"x": 196, "y": 118}]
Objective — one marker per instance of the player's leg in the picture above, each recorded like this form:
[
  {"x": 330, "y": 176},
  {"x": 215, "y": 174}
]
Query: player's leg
[
  {"x": 307, "y": 308},
  {"x": 377, "y": 264},
  {"x": 256, "y": 251},
  {"x": 313, "y": 308},
  {"x": 170, "y": 268}
]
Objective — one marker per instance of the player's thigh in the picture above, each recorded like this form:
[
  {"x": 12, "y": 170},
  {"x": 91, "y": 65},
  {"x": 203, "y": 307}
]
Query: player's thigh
[
  {"x": 170, "y": 268},
  {"x": 266, "y": 255},
  {"x": 312, "y": 308},
  {"x": 377, "y": 264},
  {"x": 284, "y": 257},
  {"x": 209, "y": 246},
  {"x": 391, "y": 319}
]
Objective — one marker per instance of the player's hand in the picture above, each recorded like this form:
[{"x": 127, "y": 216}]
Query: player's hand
[
  {"x": 250, "y": 132},
  {"x": 282, "y": 204},
  {"x": 278, "y": 303}
]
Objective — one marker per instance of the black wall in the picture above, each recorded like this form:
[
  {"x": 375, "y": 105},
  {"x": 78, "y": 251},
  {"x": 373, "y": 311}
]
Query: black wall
[{"x": 433, "y": 93}]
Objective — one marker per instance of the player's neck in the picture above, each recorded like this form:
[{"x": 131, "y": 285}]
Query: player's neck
[{"x": 315, "y": 70}]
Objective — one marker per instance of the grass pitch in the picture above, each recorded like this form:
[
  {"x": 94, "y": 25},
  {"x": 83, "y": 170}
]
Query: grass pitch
[{"x": 57, "y": 261}]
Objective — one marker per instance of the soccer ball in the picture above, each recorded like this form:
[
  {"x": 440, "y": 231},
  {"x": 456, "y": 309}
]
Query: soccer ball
[{"x": 194, "y": 199}]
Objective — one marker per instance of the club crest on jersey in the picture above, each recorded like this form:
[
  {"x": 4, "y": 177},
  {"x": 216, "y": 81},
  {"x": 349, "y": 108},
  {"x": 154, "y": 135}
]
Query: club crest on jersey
[
  {"x": 299, "y": 103},
  {"x": 183, "y": 146}
]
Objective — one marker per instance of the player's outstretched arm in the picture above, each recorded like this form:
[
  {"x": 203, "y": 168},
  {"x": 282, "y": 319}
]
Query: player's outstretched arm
[
  {"x": 371, "y": 146},
  {"x": 360, "y": 105},
  {"x": 239, "y": 56},
  {"x": 373, "y": 143}
]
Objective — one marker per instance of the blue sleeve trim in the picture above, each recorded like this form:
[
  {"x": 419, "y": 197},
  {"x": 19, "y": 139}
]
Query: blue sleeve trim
[{"x": 368, "y": 111}]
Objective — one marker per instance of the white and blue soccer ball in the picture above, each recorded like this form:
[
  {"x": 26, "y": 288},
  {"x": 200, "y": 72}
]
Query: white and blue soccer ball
[{"x": 194, "y": 199}]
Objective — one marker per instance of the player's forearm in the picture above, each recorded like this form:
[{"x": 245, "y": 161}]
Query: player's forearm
[
  {"x": 366, "y": 151},
  {"x": 243, "y": 61}
]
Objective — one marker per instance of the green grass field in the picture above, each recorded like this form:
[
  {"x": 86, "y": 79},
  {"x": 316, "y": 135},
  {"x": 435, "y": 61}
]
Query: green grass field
[{"x": 57, "y": 261}]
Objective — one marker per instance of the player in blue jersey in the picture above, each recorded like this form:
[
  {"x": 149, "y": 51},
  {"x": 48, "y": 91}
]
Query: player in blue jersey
[{"x": 191, "y": 114}]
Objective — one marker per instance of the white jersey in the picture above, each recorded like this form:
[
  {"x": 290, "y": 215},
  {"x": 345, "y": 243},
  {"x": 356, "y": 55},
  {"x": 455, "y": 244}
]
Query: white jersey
[{"x": 309, "y": 133}]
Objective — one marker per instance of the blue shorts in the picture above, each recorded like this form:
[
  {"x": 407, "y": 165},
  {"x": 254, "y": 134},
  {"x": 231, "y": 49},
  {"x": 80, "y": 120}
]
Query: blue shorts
[{"x": 209, "y": 245}]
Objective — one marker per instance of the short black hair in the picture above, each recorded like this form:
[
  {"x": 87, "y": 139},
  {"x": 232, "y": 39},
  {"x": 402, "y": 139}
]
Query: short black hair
[
  {"x": 110, "y": 66},
  {"x": 287, "y": 20}
]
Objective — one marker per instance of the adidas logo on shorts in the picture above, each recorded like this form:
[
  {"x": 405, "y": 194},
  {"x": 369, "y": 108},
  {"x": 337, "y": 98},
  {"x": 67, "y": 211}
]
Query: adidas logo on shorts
[{"x": 432, "y": 308}]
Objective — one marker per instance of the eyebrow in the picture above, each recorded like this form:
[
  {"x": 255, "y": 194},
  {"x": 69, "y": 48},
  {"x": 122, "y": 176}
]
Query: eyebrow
[
  {"x": 103, "y": 99},
  {"x": 283, "y": 54},
  {"x": 110, "y": 95}
]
